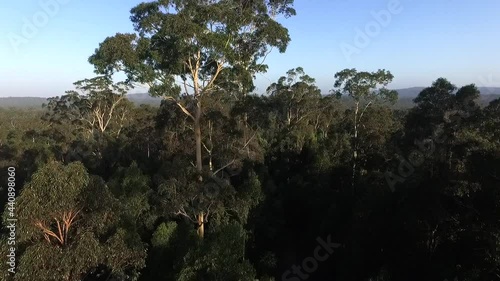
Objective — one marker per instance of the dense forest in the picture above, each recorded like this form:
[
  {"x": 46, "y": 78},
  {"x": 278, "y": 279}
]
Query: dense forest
[{"x": 222, "y": 183}]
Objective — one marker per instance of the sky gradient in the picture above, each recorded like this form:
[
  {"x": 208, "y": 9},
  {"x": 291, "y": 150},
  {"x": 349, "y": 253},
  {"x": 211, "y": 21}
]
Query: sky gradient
[{"x": 418, "y": 42}]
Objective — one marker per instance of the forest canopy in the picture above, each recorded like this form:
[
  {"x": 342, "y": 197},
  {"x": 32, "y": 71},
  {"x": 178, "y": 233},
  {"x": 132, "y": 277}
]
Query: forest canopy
[{"x": 222, "y": 183}]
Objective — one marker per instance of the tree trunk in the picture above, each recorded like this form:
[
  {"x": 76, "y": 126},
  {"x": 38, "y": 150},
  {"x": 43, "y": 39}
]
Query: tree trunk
[
  {"x": 209, "y": 151},
  {"x": 245, "y": 133},
  {"x": 197, "y": 135},
  {"x": 201, "y": 228},
  {"x": 199, "y": 163},
  {"x": 244, "y": 91},
  {"x": 355, "y": 144}
]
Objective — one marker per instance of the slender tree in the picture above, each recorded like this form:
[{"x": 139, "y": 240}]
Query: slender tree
[
  {"x": 296, "y": 95},
  {"x": 364, "y": 89},
  {"x": 96, "y": 106}
]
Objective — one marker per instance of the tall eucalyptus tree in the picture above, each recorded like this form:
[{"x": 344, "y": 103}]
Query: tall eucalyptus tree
[
  {"x": 364, "y": 88},
  {"x": 184, "y": 49}
]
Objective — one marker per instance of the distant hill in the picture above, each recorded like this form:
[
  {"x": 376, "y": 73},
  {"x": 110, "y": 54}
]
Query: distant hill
[
  {"x": 34, "y": 102},
  {"x": 145, "y": 98},
  {"x": 414, "y": 91},
  {"x": 22, "y": 102},
  {"x": 406, "y": 97}
]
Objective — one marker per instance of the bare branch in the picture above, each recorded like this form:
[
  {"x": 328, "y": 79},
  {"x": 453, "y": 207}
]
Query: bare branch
[
  {"x": 249, "y": 140},
  {"x": 205, "y": 220},
  {"x": 181, "y": 107},
  {"x": 363, "y": 112},
  {"x": 217, "y": 72},
  {"x": 206, "y": 148},
  {"x": 225, "y": 166},
  {"x": 183, "y": 213}
]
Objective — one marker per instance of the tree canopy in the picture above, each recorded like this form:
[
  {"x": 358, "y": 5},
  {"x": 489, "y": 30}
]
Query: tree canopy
[{"x": 221, "y": 182}]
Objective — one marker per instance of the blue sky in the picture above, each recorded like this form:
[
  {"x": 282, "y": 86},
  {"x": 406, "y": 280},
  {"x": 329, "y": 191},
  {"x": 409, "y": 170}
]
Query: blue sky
[{"x": 421, "y": 41}]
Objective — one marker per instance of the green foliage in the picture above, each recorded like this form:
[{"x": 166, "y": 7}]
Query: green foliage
[
  {"x": 364, "y": 85},
  {"x": 163, "y": 235},
  {"x": 172, "y": 35},
  {"x": 131, "y": 187},
  {"x": 109, "y": 191},
  {"x": 64, "y": 232},
  {"x": 285, "y": 185},
  {"x": 101, "y": 108},
  {"x": 219, "y": 258},
  {"x": 294, "y": 97},
  {"x": 51, "y": 190}
]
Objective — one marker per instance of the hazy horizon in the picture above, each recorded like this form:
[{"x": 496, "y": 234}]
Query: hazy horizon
[
  {"x": 46, "y": 47},
  {"x": 484, "y": 91}
]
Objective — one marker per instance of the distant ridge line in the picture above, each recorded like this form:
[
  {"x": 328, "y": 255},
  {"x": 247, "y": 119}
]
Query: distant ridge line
[{"x": 405, "y": 94}]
